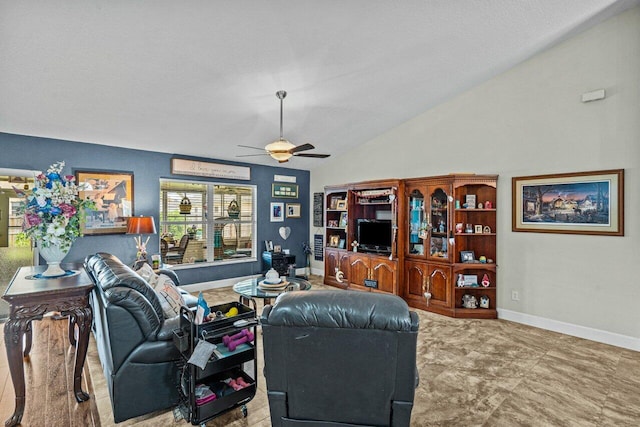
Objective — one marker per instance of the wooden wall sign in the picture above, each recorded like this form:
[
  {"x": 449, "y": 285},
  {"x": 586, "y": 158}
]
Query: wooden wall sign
[{"x": 208, "y": 169}]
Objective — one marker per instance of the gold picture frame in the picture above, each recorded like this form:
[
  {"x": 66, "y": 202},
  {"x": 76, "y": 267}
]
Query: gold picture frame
[
  {"x": 112, "y": 193},
  {"x": 571, "y": 203}
]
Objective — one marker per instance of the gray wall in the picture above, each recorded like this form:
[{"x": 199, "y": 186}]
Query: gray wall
[
  {"x": 530, "y": 121},
  {"x": 25, "y": 152}
]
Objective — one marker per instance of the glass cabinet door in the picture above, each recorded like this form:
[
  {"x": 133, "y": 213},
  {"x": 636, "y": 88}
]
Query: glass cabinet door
[
  {"x": 439, "y": 221},
  {"x": 417, "y": 223}
]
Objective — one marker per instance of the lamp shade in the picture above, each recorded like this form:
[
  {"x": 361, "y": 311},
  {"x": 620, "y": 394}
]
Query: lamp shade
[{"x": 141, "y": 225}]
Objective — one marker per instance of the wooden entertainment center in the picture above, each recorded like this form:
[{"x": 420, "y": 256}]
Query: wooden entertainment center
[{"x": 430, "y": 240}]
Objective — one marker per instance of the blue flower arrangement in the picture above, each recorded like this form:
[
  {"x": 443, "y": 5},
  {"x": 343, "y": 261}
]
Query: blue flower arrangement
[{"x": 52, "y": 210}]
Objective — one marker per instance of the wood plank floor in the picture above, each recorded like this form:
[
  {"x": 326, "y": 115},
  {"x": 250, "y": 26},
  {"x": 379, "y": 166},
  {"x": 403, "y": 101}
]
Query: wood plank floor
[{"x": 49, "y": 381}]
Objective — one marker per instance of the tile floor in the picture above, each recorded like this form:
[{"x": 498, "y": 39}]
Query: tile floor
[{"x": 478, "y": 373}]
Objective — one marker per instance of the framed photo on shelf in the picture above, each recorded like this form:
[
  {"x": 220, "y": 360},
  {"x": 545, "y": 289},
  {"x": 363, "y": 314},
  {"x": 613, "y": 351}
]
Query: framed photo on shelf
[
  {"x": 467, "y": 256},
  {"x": 332, "y": 223},
  {"x": 343, "y": 219},
  {"x": 334, "y": 202},
  {"x": 341, "y": 205},
  {"x": 112, "y": 193},
  {"x": 571, "y": 203},
  {"x": 277, "y": 249},
  {"x": 268, "y": 245},
  {"x": 341, "y": 244},
  {"x": 477, "y": 229},
  {"x": 470, "y": 201},
  {"x": 293, "y": 210},
  {"x": 334, "y": 240},
  {"x": 277, "y": 212}
]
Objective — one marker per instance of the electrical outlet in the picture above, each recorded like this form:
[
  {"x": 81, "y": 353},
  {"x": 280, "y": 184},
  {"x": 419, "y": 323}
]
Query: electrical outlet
[{"x": 515, "y": 296}]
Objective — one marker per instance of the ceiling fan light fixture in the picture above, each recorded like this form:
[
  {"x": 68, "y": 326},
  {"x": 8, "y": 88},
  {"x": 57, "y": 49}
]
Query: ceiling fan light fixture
[{"x": 280, "y": 149}]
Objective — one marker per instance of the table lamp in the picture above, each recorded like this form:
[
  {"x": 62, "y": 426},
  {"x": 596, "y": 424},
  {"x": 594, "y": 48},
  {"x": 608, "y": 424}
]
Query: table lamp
[{"x": 141, "y": 225}]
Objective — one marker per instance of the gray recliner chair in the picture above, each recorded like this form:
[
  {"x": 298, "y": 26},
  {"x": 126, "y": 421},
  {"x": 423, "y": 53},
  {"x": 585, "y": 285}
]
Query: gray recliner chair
[{"x": 339, "y": 358}]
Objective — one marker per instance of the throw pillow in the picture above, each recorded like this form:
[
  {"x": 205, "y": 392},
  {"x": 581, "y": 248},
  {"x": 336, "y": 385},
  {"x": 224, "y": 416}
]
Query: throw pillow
[
  {"x": 169, "y": 295},
  {"x": 146, "y": 272}
]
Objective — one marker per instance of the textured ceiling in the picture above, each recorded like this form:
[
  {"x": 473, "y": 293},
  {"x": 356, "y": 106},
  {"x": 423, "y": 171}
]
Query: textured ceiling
[{"x": 199, "y": 77}]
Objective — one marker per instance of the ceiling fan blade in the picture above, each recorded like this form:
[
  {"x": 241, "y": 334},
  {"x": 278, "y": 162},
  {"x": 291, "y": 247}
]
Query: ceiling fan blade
[
  {"x": 252, "y": 155},
  {"x": 248, "y": 146},
  {"x": 303, "y": 147},
  {"x": 319, "y": 156}
]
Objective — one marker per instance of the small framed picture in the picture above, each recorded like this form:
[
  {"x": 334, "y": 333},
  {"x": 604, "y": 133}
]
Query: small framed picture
[
  {"x": 341, "y": 243},
  {"x": 467, "y": 256},
  {"x": 293, "y": 210},
  {"x": 332, "y": 223},
  {"x": 334, "y": 202},
  {"x": 343, "y": 219},
  {"x": 277, "y": 212},
  {"x": 277, "y": 249},
  {"x": 470, "y": 201},
  {"x": 478, "y": 229},
  {"x": 268, "y": 245},
  {"x": 341, "y": 204},
  {"x": 334, "y": 240},
  {"x": 486, "y": 229}
]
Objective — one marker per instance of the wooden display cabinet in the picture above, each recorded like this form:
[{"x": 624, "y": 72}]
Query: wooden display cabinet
[
  {"x": 363, "y": 270},
  {"x": 424, "y": 259},
  {"x": 481, "y": 218},
  {"x": 434, "y": 207}
]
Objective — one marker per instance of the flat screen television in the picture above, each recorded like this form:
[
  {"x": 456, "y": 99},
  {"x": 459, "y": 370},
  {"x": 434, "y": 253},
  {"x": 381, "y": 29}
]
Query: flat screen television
[{"x": 374, "y": 235}]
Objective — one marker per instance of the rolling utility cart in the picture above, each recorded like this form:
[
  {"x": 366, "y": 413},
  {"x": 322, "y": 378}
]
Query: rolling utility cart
[{"x": 229, "y": 379}]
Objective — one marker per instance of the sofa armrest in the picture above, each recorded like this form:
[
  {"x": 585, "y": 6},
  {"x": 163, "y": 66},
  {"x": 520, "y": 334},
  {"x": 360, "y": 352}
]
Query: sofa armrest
[{"x": 166, "y": 332}]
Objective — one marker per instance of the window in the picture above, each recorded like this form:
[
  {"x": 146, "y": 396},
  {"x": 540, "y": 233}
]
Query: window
[{"x": 206, "y": 222}]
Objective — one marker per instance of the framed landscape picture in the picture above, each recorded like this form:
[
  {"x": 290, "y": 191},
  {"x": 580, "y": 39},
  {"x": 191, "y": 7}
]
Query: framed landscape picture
[
  {"x": 573, "y": 203},
  {"x": 112, "y": 193}
]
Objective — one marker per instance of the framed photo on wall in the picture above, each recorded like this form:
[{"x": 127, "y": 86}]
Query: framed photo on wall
[
  {"x": 289, "y": 191},
  {"x": 112, "y": 193},
  {"x": 571, "y": 203},
  {"x": 277, "y": 212},
  {"x": 293, "y": 210}
]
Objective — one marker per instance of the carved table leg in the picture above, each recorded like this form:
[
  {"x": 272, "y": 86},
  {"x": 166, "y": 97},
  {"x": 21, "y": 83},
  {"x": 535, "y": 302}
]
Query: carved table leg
[
  {"x": 82, "y": 318},
  {"x": 14, "y": 331},
  {"x": 72, "y": 329},
  {"x": 28, "y": 339}
]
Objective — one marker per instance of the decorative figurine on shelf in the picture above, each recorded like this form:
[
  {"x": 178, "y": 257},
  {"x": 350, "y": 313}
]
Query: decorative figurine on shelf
[
  {"x": 441, "y": 227},
  {"x": 483, "y": 259},
  {"x": 460, "y": 281},
  {"x": 488, "y": 205},
  {"x": 355, "y": 245},
  {"x": 484, "y": 301},
  {"x": 469, "y": 301},
  {"x": 485, "y": 281},
  {"x": 457, "y": 204},
  {"x": 459, "y": 227}
]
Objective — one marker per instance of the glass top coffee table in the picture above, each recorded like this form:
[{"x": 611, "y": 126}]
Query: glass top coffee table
[{"x": 250, "y": 288}]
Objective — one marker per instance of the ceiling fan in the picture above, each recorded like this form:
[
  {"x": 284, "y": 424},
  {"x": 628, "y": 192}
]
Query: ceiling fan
[{"x": 281, "y": 149}]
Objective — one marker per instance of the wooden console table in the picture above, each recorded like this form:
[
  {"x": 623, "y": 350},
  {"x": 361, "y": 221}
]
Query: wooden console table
[{"x": 29, "y": 299}]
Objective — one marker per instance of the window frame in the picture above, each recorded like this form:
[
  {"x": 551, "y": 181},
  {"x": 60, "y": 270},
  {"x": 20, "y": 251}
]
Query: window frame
[{"x": 209, "y": 220}]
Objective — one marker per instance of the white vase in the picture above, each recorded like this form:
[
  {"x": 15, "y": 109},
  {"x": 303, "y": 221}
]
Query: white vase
[{"x": 54, "y": 256}]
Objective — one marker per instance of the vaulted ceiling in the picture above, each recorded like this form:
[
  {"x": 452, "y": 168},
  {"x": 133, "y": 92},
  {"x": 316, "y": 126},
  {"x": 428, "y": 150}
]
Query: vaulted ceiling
[{"x": 200, "y": 77}]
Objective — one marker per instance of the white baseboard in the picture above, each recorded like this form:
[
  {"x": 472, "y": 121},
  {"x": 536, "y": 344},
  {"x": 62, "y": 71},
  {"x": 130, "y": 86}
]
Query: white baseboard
[{"x": 598, "y": 335}]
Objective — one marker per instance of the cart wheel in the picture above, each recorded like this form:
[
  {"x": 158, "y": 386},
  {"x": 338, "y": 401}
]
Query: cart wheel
[{"x": 244, "y": 411}]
